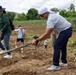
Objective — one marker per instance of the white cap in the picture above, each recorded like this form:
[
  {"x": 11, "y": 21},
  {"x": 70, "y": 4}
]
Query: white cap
[{"x": 43, "y": 10}]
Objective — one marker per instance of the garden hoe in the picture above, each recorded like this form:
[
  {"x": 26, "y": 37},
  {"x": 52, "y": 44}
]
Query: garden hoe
[{"x": 16, "y": 48}]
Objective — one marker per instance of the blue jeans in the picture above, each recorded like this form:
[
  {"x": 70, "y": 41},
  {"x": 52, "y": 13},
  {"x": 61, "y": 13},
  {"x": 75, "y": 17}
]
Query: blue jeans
[
  {"x": 60, "y": 46},
  {"x": 6, "y": 42}
]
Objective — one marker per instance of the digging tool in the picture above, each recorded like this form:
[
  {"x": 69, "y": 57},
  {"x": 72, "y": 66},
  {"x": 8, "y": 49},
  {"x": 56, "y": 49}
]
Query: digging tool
[{"x": 16, "y": 48}]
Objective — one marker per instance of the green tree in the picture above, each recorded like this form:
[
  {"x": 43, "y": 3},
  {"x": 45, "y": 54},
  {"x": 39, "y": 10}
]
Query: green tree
[
  {"x": 20, "y": 17},
  {"x": 72, "y": 8},
  {"x": 55, "y": 10},
  {"x": 63, "y": 13},
  {"x": 32, "y": 14},
  {"x": 11, "y": 15}
]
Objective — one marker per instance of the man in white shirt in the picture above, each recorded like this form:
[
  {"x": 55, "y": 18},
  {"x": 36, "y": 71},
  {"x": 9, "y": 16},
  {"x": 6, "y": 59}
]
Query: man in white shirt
[
  {"x": 21, "y": 36},
  {"x": 61, "y": 26}
]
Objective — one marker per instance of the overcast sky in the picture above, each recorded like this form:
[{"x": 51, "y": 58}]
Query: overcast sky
[{"x": 24, "y": 5}]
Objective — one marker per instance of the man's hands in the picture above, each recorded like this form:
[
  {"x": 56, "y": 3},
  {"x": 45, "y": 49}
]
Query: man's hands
[{"x": 35, "y": 42}]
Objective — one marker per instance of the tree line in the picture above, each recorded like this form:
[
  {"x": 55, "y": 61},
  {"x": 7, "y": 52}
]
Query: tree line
[{"x": 32, "y": 14}]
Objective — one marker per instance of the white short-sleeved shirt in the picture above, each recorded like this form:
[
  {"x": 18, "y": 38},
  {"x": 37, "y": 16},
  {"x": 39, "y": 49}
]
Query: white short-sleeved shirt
[
  {"x": 21, "y": 32},
  {"x": 57, "y": 22}
]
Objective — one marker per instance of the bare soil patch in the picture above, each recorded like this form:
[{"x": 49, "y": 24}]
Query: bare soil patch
[{"x": 32, "y": 62}]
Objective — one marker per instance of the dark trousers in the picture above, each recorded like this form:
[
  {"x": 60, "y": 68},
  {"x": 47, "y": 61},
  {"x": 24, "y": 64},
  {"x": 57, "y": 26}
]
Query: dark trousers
[{"x": 61, "y": 46}]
